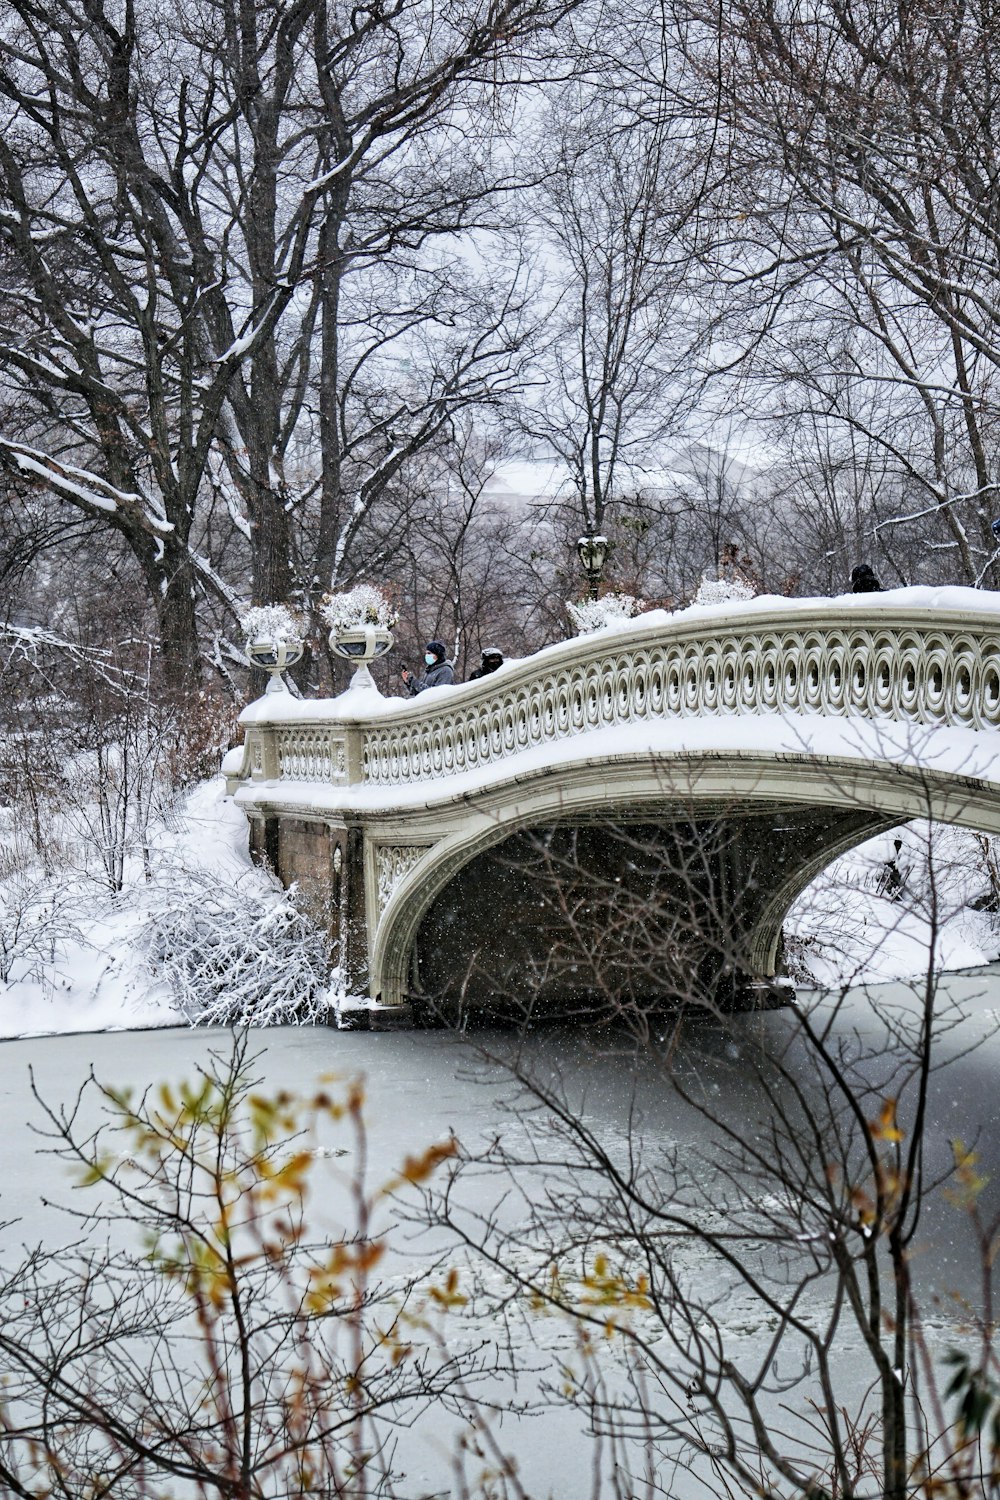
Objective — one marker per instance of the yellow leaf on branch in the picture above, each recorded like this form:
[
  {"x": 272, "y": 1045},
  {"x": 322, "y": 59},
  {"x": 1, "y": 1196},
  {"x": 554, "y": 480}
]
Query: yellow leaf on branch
[{"x": 885, "y": 1127}]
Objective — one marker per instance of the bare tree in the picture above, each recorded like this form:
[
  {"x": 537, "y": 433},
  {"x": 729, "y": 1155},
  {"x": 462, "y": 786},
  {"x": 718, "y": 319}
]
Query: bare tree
[
  {"x": 217, "y": 233},
  {"x": 476, "y": 566},
  {"x": 803, "y": 1200},
  {"x": 856, "y": 240},
  {"x": 617, "y": 218}
]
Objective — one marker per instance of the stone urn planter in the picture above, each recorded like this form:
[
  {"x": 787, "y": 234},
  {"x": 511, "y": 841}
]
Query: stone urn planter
[
  {"x": 361, "y": 645},
  {"x": 274, "y": 657},
  {"x": 360, "y": 622},
  {"x": 274, "y": 642}
]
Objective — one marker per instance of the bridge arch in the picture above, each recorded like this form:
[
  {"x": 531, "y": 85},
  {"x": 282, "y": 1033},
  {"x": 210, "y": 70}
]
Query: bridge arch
[
  {"x": 877, "y": 709},
  {"x": 860, "y": 798}
]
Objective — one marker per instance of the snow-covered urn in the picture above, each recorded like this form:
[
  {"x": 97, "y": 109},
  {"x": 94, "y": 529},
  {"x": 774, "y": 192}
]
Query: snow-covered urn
[
  {"x": 360, "y": 621},
  {"x": 594, "y": 614},
  {"x": 729, "y": 587},
  {"x": 274, "y": 641}
]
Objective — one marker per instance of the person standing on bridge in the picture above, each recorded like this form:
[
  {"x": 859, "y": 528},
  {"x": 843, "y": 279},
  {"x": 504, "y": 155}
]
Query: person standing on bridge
[
  {"x": 438, "y": 672},
  {"x": 492, "y": 660},
  {"x": 863, "y": 581}
]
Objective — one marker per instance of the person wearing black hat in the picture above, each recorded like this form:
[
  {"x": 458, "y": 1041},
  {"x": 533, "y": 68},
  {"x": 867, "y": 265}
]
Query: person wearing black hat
[
  {"x": 438, "y": 672},
  {"x": 492, "y": 659},
  {"x": 863, "y": 581}
]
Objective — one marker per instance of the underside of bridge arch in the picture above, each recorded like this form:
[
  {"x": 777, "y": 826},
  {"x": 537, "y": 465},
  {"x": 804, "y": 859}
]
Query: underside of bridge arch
[{"x": 625, "y": 910}]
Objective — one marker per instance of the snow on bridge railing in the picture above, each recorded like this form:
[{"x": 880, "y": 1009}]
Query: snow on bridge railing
[{"x": 926, "y": 656}]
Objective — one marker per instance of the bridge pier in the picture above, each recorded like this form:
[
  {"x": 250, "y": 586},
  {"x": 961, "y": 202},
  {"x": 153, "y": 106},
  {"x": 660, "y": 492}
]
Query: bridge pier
[{"x": 324, "y": 859}]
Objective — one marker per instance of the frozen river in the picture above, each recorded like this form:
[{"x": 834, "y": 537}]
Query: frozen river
[{"x": 422, "y": 1086}]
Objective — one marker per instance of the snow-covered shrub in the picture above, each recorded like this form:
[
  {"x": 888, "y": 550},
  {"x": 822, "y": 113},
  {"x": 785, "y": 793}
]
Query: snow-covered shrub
[
  {"x": 203, "y": 733},
  {"x": 726, "y": 589},
  {"x": 25, "y": 842},
  {"x": 112, "y": 793},
  {"x": 37, "y": 914},
  {"x": 275, "y": 623},
  {"x": 237, "y": 955},
  {"x": 593, "y": 614},
  {"x": 357, "y": 607},
  {"x": 799, "y": 950}
]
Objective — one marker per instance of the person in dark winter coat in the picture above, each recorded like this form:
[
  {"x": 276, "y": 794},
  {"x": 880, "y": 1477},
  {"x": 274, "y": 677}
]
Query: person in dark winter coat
[
  {"x": 491, "y": 660},
  {"x": 863, "y": 581},
  {"x": 438, "y": 672}
]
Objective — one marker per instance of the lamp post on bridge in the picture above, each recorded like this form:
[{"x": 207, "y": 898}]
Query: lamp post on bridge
[{"x": 592, "y": 550}]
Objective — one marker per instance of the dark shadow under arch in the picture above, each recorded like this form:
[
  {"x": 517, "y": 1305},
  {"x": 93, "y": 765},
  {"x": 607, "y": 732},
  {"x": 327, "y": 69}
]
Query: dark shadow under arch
[
  {"x": 838, "y": 802},
  {"x": 587, "y": 917}
]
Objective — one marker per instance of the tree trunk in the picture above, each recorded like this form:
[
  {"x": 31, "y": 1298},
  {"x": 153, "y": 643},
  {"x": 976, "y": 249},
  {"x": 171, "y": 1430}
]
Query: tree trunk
[{"x": 170, "y": 578}]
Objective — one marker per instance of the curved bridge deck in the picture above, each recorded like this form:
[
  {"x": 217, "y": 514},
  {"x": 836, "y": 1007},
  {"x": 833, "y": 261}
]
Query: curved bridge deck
[{"x": 881, "y": 706}]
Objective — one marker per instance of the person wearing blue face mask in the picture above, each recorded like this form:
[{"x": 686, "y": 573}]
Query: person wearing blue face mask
[{"x": 438, "y": 669}]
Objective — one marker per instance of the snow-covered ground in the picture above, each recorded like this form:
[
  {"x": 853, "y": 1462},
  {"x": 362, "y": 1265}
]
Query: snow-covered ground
[
  {"x": 77, "y": 959},
  {"x": 850, "y": 926}
]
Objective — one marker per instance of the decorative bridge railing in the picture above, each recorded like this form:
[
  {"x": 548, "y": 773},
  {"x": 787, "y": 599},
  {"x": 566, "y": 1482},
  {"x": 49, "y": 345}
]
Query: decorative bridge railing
[
  {"x": 779, "y": 717},
  {"x": 917, "y": 655}
]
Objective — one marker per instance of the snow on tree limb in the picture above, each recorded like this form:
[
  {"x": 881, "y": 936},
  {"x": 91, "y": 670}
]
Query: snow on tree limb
[{"x": 84, "y": 487}]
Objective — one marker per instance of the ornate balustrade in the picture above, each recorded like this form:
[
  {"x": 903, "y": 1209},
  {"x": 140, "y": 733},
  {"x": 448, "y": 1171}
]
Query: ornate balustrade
[
  {"x": 351, "y": 797},
  {"x": 309, "y": 754},
  {"x": 902, "y": 661}
]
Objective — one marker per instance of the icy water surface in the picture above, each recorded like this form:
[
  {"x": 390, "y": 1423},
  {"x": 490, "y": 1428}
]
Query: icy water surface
[{"x": 421, "y": 1086}]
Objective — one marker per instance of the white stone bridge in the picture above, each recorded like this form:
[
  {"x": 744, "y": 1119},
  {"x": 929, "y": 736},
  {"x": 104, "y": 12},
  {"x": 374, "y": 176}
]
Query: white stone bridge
[{"x": 771, "y": 736}]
